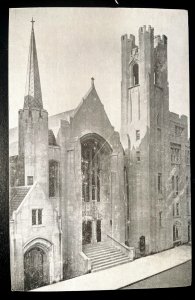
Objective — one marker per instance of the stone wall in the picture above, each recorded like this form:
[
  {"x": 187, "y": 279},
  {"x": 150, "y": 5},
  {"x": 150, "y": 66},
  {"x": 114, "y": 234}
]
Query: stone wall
[
  {"x": 33, "y": 145},
  {"x": 179, "y": 138}
]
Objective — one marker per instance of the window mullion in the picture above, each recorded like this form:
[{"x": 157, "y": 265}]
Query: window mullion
[{"x": 36, "y": 216}]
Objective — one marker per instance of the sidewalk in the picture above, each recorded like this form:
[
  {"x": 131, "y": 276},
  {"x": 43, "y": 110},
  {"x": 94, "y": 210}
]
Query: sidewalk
[{"x": 126, "y": 274}]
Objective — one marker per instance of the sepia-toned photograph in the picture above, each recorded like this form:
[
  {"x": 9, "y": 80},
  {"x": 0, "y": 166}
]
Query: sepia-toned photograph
[{"x": 99, "y": 149}]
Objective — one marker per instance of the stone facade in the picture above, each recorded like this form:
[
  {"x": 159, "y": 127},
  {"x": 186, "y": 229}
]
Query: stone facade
[{"x": 76, "y": 181}]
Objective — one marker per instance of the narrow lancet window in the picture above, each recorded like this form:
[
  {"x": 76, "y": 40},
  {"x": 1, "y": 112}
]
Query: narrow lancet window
[{"x": 135, "y": 74}]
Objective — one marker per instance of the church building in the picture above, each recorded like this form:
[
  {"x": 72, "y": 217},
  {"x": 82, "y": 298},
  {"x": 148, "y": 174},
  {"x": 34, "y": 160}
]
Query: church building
[{"x": 83, "y": 197}]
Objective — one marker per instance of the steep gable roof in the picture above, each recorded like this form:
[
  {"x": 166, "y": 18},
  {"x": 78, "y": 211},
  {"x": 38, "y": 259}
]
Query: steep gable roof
[
  {"x": 17, "y": 195},
  {"x": 92, "y": 101}
]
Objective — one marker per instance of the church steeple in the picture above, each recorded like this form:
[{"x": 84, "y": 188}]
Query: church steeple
[{"x": 33, "y": 95}]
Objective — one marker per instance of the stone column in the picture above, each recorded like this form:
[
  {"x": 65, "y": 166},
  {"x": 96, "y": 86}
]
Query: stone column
[
  {"x": 18, "y": 263},
  {"x": 12, "y": 250}
]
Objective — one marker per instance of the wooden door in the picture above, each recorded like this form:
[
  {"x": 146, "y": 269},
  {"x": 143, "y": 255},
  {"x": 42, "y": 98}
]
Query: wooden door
[
  {"x": 87, "y": 232},
  {"x": 98, "y": 230},
  {"x": 36, "y": 269}
]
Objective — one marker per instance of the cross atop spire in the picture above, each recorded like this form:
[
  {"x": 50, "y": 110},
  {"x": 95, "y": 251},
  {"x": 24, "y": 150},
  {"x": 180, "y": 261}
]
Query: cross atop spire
[
  {"x": 32, "y": 21},
  {"x": 92, "y": 81},
  {"x": 33, "y": 95}
]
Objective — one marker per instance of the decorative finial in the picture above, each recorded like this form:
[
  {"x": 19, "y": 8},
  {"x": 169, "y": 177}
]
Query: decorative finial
[
  {"x": 32, "y": 21},
  {"x": 92, "y": 81}
]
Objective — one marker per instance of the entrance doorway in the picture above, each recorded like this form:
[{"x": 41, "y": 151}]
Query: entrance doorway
[
  {"x": 98, "y": 230},
  {"x": 87, "y": 232},
  {"x": 36, "y": 269}
]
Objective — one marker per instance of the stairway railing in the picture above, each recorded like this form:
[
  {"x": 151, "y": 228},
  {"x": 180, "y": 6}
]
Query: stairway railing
[{"x": 129, "y": 251}]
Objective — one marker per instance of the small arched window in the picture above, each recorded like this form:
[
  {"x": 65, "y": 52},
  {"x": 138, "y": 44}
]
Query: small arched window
[
  {"x": 135, "y": 74},
  {"x": 177, "y": 185},
  {"x": 154, "y": 77},
  {"x": 158, "y": 120},
  {"x": 177, "y": 209},
  {"x": 173, "y": 183}
]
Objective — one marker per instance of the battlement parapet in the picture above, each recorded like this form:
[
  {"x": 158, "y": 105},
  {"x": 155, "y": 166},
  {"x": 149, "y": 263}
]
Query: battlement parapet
[
  {"x": 183, "y": 119},
  {"x": 160, "y": 40},
  {"x": 130, "y": 39},
  {"x": 144, "y": 29}
]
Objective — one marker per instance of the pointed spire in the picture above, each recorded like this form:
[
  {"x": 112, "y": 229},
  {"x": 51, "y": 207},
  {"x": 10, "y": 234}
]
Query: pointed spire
[{"x": 33, "y": 95}]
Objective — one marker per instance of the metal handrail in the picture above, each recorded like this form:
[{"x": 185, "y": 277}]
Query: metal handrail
[{"x": 124, "y": 246}]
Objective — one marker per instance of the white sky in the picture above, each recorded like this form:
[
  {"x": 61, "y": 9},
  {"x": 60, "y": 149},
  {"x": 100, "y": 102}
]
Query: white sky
[{"x": 74, "y": 44}]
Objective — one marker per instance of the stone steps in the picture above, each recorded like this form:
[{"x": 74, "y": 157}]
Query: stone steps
[
  {"x": 110, "y": 265},
  {"x": 104, "y": 256},
  {"x": 108, "y": 260},
  {"x": 101, "y": 252},
  {"x": 96, "y": 248}
]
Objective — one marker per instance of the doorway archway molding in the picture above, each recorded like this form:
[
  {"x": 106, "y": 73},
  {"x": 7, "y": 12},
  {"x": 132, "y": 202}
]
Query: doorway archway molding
[{"x": 47, "y": 247}]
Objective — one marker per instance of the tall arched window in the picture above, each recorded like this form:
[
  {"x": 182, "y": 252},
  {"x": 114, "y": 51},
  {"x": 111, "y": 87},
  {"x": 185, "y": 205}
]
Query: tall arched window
[
  {"x": 90, "y": 166},
  {"x": 95, "y": 158},
  {"x": 135, "y": 74},
  {"x": 53, "y": 178}
]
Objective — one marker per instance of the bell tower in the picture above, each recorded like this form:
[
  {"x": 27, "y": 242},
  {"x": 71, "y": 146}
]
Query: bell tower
[
  {"x": 33, "y": 125},
  {"x": 144, "y": 131}
]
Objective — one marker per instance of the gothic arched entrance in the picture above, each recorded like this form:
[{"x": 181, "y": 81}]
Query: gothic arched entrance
[
  {"x": 36, "y": 268},
  {"x": 95, "y": 168}
]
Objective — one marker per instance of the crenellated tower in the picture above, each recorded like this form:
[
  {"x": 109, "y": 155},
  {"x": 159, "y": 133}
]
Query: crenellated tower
[
  {"x": 33, "y": 126},
  {"x": 144, "y": 133}
]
